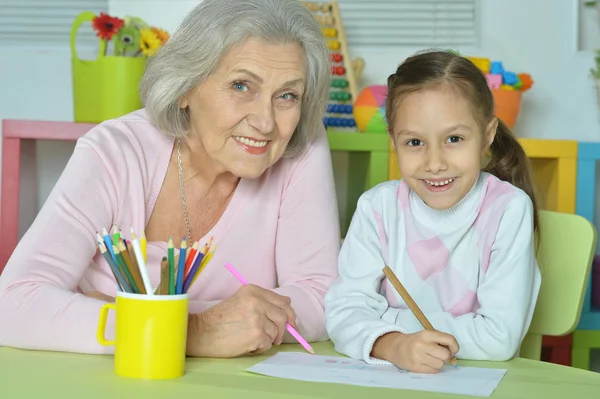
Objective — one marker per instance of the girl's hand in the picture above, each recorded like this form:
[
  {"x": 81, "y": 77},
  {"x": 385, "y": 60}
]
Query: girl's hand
[
  {"x": 422, "y": 352},
  {"x": 250, "y": 321}
]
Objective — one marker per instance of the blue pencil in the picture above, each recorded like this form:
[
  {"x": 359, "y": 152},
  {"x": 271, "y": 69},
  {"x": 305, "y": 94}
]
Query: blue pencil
[
  {"x": 108, "y": 243},
  {"x": 181, "y": 267},
  {"x": 122, "y": 281},
  {"x": 193, "y": 270}
]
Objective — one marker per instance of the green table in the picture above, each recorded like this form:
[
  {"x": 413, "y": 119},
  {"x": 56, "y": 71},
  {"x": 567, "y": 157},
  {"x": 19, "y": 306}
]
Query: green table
[
  {"x": 30, "y": 374},
  {"x": 368, "y": 164}
]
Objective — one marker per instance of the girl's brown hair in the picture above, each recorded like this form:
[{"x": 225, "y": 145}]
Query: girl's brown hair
[{"x": 431, "y": 70}]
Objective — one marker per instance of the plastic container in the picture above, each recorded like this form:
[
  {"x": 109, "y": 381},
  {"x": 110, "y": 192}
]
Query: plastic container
[{"x": 107, "y": 87}]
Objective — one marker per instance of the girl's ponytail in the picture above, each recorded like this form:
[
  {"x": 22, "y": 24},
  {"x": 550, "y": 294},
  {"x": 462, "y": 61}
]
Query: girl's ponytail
[{"x": 510, "y": 163}]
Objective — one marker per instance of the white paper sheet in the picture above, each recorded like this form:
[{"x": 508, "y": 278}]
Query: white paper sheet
[{"x": 305, "y": 367}]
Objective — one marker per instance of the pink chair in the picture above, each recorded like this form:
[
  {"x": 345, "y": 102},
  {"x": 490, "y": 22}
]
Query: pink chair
[{"x": 18, "y": 135}]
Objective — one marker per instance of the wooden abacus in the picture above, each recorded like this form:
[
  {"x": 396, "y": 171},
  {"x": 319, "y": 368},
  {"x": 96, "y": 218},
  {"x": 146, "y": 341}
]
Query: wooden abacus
[{"x": 343, "y": 81}]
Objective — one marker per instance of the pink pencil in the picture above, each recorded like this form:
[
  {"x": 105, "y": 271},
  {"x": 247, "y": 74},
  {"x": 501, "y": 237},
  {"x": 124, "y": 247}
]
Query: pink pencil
[{"x": 290, "y": 329}]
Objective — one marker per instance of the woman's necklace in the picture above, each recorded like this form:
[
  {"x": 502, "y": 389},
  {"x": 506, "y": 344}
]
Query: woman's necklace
[{"x": 185, "y": 212}]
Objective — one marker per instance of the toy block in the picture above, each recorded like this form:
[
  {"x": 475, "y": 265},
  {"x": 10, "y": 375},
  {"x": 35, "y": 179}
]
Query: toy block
[{"x": 494, "y": 80}]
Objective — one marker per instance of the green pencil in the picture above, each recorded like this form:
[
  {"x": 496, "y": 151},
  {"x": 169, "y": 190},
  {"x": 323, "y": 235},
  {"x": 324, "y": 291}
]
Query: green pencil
[
  {"x": 125, "y": 269},
  {"x": 171, "y": 254}
]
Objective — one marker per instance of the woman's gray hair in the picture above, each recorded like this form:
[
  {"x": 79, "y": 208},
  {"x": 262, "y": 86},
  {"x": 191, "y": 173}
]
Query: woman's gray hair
[{"x": 208, "y": 32}]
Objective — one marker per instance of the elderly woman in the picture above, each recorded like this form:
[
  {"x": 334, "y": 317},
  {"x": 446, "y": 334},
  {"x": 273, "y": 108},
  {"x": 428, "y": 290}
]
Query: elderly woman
[{"x": 230, "y": 145}]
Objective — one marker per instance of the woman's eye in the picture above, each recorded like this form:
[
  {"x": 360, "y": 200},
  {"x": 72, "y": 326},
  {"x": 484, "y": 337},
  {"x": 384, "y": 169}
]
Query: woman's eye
[
  {"x": 454, "y": 139},
  {"x": 414, "y": 143},
  {"x": 289, "y": 97},
  {"x": 239, "y": 86}
]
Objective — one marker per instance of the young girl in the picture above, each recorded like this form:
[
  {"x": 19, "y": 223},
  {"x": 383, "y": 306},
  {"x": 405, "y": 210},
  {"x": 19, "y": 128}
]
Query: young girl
[{"x": 457, "y": 230}]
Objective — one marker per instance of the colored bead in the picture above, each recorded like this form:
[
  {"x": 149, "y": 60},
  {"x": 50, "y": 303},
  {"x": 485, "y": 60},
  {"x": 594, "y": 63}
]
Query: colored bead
[
  {"x": 329, "y": 32},
  {"x": 496, "y": 68},
  {"x": 335, "y": 57},
  {"x": 333, "y": 44}
]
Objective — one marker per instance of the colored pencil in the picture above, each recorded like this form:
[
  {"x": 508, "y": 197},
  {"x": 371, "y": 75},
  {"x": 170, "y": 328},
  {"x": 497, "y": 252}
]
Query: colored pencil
[
  {"x": 181, "y": 266},
  {"x": 204, "y": 262},
  {"x": 127, "y": 261},
  {"x": 125, "y": 270},
  {"x": 114, "y": 268},
  {"x": 193, "y": 271},
  {"x": 141, "y": 264},
  {"x": 290, "y": 329},
  {"x": 191, "y": 256},
  {"x": 171, "y": 257},
  {"x": 411, "y": 303},
  {"x": 131, "y": 253},
  {"x": 108, "y": 243},
  {"x": 115, "y": 234},
  {"x": 143, "y": 245},
  {"x": 133, "y": 268},
  {"x": 163, "y": 286}
]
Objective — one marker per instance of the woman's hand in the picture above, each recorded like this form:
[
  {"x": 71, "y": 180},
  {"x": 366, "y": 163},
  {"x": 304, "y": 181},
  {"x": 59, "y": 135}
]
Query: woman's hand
[
  {"x": 422, "y": 352},
  {"x": 250, "y": 321}
]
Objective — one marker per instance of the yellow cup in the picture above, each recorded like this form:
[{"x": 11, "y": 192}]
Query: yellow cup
[{"x": 150, "y": 337}]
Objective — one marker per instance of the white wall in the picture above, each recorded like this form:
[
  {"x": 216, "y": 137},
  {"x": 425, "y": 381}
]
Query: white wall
[{"x": 538, "y": 38}]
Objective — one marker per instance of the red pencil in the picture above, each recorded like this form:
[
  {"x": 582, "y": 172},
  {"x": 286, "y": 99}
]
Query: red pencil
[{"x": 190, "y": 258}]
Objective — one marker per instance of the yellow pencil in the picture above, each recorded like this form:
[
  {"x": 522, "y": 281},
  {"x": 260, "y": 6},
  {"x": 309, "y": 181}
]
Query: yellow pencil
[
  {"x": 143, "y": 244},
  {"x": 204, "y": 262}
]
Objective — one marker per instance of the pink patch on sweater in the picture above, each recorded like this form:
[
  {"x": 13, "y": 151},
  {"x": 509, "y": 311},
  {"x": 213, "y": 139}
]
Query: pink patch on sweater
[
  {"x": 493, "y": 190},
  {"x": 429, "y": 256},
  {"x": 468, "y": 304},
  {"x": 450, "y": 286},
  {"x": 402, "y": 195},
  {"x": 498, "y": 194}
]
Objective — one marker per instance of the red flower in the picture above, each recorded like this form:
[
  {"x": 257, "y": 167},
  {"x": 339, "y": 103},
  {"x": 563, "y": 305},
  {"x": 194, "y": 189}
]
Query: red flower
[{"x": 106, "y": 26}]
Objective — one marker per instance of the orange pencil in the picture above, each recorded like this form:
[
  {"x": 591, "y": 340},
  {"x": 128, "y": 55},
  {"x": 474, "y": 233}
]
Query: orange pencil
[{"x": 411, "y": 303}]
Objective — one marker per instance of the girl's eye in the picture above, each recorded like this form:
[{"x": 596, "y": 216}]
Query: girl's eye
[
  {"x": 414, "y": 143},
  {"x": 454, "y": 139},
  {"x": 239, "y": 86}
]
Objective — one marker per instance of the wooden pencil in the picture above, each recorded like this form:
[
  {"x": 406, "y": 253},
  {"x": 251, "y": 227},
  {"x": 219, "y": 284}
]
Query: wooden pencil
[
  {"x": 132, "y": 254},
  {"x": 125, "y": 270},
  {"x": 133, "y": 267},
  {"x": 143, "y": 245},
  {"x": 116, "y": 235},
  {"x": 181, "y": 266},
  {"x": 137, "y": 250},
  {"x": 171, "y": 257},
  {"x": 410, "y": 303},
  {"x": 205, "y": 260},
  {"x": 190, "y": 259},
  {"x": 193, "y": 271},
  {"x": 163, "y": 286},
  {"x": 114, "y": 268}
]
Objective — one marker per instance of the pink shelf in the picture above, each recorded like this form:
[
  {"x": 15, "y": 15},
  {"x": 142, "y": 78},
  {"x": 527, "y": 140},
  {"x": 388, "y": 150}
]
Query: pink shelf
[{"x": 44, "y": 130}]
